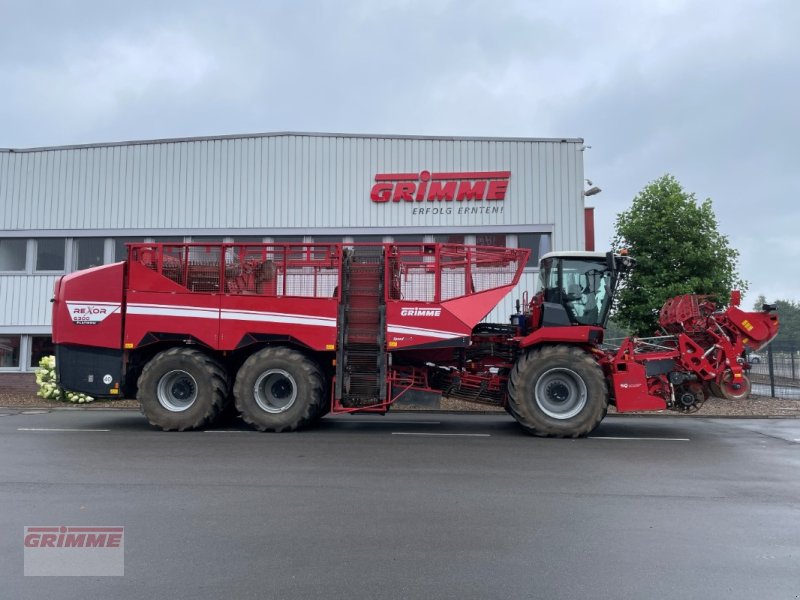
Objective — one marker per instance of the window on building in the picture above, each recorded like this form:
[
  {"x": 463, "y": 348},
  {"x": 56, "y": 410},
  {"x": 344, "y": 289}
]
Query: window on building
[
  {"x": 175, "y": 239},
  {"x": 456, "y": 238},
  {"x": 538, "y": 243},
  {"x": 89, "y": 252},
  {"x": 280, "y": 239},
  {"x": 490, "y": 239},
  {"x": 12, "y": 254},
  {"x": 247, "y": 239},
  {"x": 408, "y": 239},
  {"x": 9, "y": 350},
  {"x": 41, "y": 346},
  {"x": 360, "y": 239},
  {"x": 121, "y": 250},
  {"x": 50, "y": 254},
  {"x": 207, "y": 238},
  {"x": 322, "y": 249}
]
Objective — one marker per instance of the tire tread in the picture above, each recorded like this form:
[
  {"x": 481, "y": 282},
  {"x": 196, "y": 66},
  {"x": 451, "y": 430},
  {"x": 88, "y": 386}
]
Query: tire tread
[
  {"x": 213, "y": 371},
  {"x": 314, "y": 406}
]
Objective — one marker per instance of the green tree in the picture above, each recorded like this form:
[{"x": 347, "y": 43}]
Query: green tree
[
  {"x": 678, "y": 250},
  {"x": 788, "y": 317},
  {"x": 614, "y": 331},
  {"x": 761, "y": 300}
]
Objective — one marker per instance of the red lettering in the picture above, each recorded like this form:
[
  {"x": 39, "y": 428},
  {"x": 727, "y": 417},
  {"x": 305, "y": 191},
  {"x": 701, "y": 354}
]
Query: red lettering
[
  {"x": 32, "y": 540},
  {"x": 381, "y": 192},
  {"x": 404, "y": 191},
  {"x": 497, "y": 189},
  {"x": 467, "y": 191},
  {"x": 75, "y": 540},
  {"x": 440, "y": 192},
  {"x": 114, "y": 540},
  {"x": 95, "y": 540},
  {"x": 423, "y": 185},
  {"x": 436, "y": 187},
  {"x": 48, "y": 540}
]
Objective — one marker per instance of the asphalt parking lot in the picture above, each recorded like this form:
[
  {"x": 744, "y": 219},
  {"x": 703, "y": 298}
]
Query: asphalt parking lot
[{"x": 411, "y": 506}]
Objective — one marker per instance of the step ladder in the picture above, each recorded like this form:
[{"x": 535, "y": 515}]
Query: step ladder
[{"x": 361, "y": 354}]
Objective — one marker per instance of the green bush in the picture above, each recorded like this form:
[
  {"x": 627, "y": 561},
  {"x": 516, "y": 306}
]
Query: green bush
[{"x": 49, "y": 389}]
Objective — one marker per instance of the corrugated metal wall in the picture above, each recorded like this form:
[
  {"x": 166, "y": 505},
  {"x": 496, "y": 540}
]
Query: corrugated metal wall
[
  {"x": 298, "y": 181},
  {"x": 25, "y": 300},
  {"x": 281, "y": 182}
]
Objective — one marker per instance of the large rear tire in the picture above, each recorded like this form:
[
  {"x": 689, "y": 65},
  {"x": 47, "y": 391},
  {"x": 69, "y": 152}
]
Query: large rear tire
[
  {"x": 557, "y": 391},
  {"x": 182, "y": 389},
  {"x": 279, "y": 389}
]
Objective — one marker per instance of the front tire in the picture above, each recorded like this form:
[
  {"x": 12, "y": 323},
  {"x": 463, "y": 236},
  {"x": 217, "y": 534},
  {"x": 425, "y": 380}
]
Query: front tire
[
  {"x": 279, "y": 389},
  {"x": 557, "y": 391},
  {"x": 182, "y": 389}
]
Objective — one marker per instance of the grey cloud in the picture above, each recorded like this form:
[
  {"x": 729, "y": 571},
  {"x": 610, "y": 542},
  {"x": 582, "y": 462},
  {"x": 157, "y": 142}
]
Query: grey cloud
[{"x": 705, "y": 91}]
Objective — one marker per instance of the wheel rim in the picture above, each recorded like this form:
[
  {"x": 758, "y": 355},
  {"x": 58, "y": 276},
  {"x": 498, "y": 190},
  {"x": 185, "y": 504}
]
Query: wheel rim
[
  {"x": 177, "y": 391},
  {"x": 735, "y": 389},
  {"x": 561, "y": 393},
  {"x": 275, "y": 391}
]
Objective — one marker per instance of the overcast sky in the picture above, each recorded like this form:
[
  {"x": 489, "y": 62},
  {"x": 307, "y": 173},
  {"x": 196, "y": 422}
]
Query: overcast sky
[{"x": 708, "y": 91}]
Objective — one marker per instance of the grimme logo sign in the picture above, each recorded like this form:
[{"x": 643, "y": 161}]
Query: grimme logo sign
[
  {"x": 490, "y": 186},
  {"x": 420, "y": 311},
  {"x": 60, "y": 550}
]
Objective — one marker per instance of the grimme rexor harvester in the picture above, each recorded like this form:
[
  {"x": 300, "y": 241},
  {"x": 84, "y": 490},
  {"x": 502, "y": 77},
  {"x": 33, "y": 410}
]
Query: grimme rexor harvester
[{"x": 290, "y": 332}]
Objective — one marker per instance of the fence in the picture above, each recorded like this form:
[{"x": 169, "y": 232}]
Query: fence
[{"x": 776, "y": 370}]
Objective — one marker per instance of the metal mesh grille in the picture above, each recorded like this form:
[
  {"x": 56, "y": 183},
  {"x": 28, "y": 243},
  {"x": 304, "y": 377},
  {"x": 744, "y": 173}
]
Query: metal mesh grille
[
  {"x": 417, "y": 272},
  {"x": 439, "y": 272},
  {"x": 306, "y": 270}
]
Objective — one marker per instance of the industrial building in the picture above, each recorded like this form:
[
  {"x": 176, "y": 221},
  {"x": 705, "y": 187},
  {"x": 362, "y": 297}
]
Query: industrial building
[{"x": 71, "y": 207}]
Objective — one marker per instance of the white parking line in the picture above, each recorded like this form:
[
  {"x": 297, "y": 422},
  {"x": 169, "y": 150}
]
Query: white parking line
[
  {"x": 226, "y": 431},
  {"x": 656, "y": 439},
  {"x": 382, "y": 422},
  {"x": 55, "y": 429},
  {"x": 442, "y": 434}
]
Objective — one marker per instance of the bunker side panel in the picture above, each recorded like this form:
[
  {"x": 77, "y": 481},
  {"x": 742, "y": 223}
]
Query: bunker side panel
[
  {"x": 87, "y": 308},
  {"x": 410, "y": 324},
  {"x": 310, "y": 321},
  {"x": 155, "y": 304}
]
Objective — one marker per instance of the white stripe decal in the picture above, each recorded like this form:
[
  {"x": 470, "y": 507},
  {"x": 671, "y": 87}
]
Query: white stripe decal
[
  {"x": 173, "y": 307},
  {"x": 166, "y": 310},
  {"x": 234, "y": 315},
  {"x": 93, "y": 302},
  {"x": 445, "y": 335},
  {"x": 200, "y": 312},
  {"x": 263, "y": 312},
  {"x": 173, "y": 311}
]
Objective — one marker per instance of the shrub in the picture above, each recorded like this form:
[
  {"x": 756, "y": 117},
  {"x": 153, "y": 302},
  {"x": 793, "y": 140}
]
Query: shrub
[{"x": 49, "y": 389}]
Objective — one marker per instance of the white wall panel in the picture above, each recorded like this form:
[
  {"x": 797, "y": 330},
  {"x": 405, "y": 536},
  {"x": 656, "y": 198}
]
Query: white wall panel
[
  {"x": 277, "y": 181},
  {"x": 25, "y": 300}
]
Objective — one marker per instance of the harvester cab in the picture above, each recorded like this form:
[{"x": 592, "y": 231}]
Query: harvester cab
[{"x": 577, "y": 288}]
